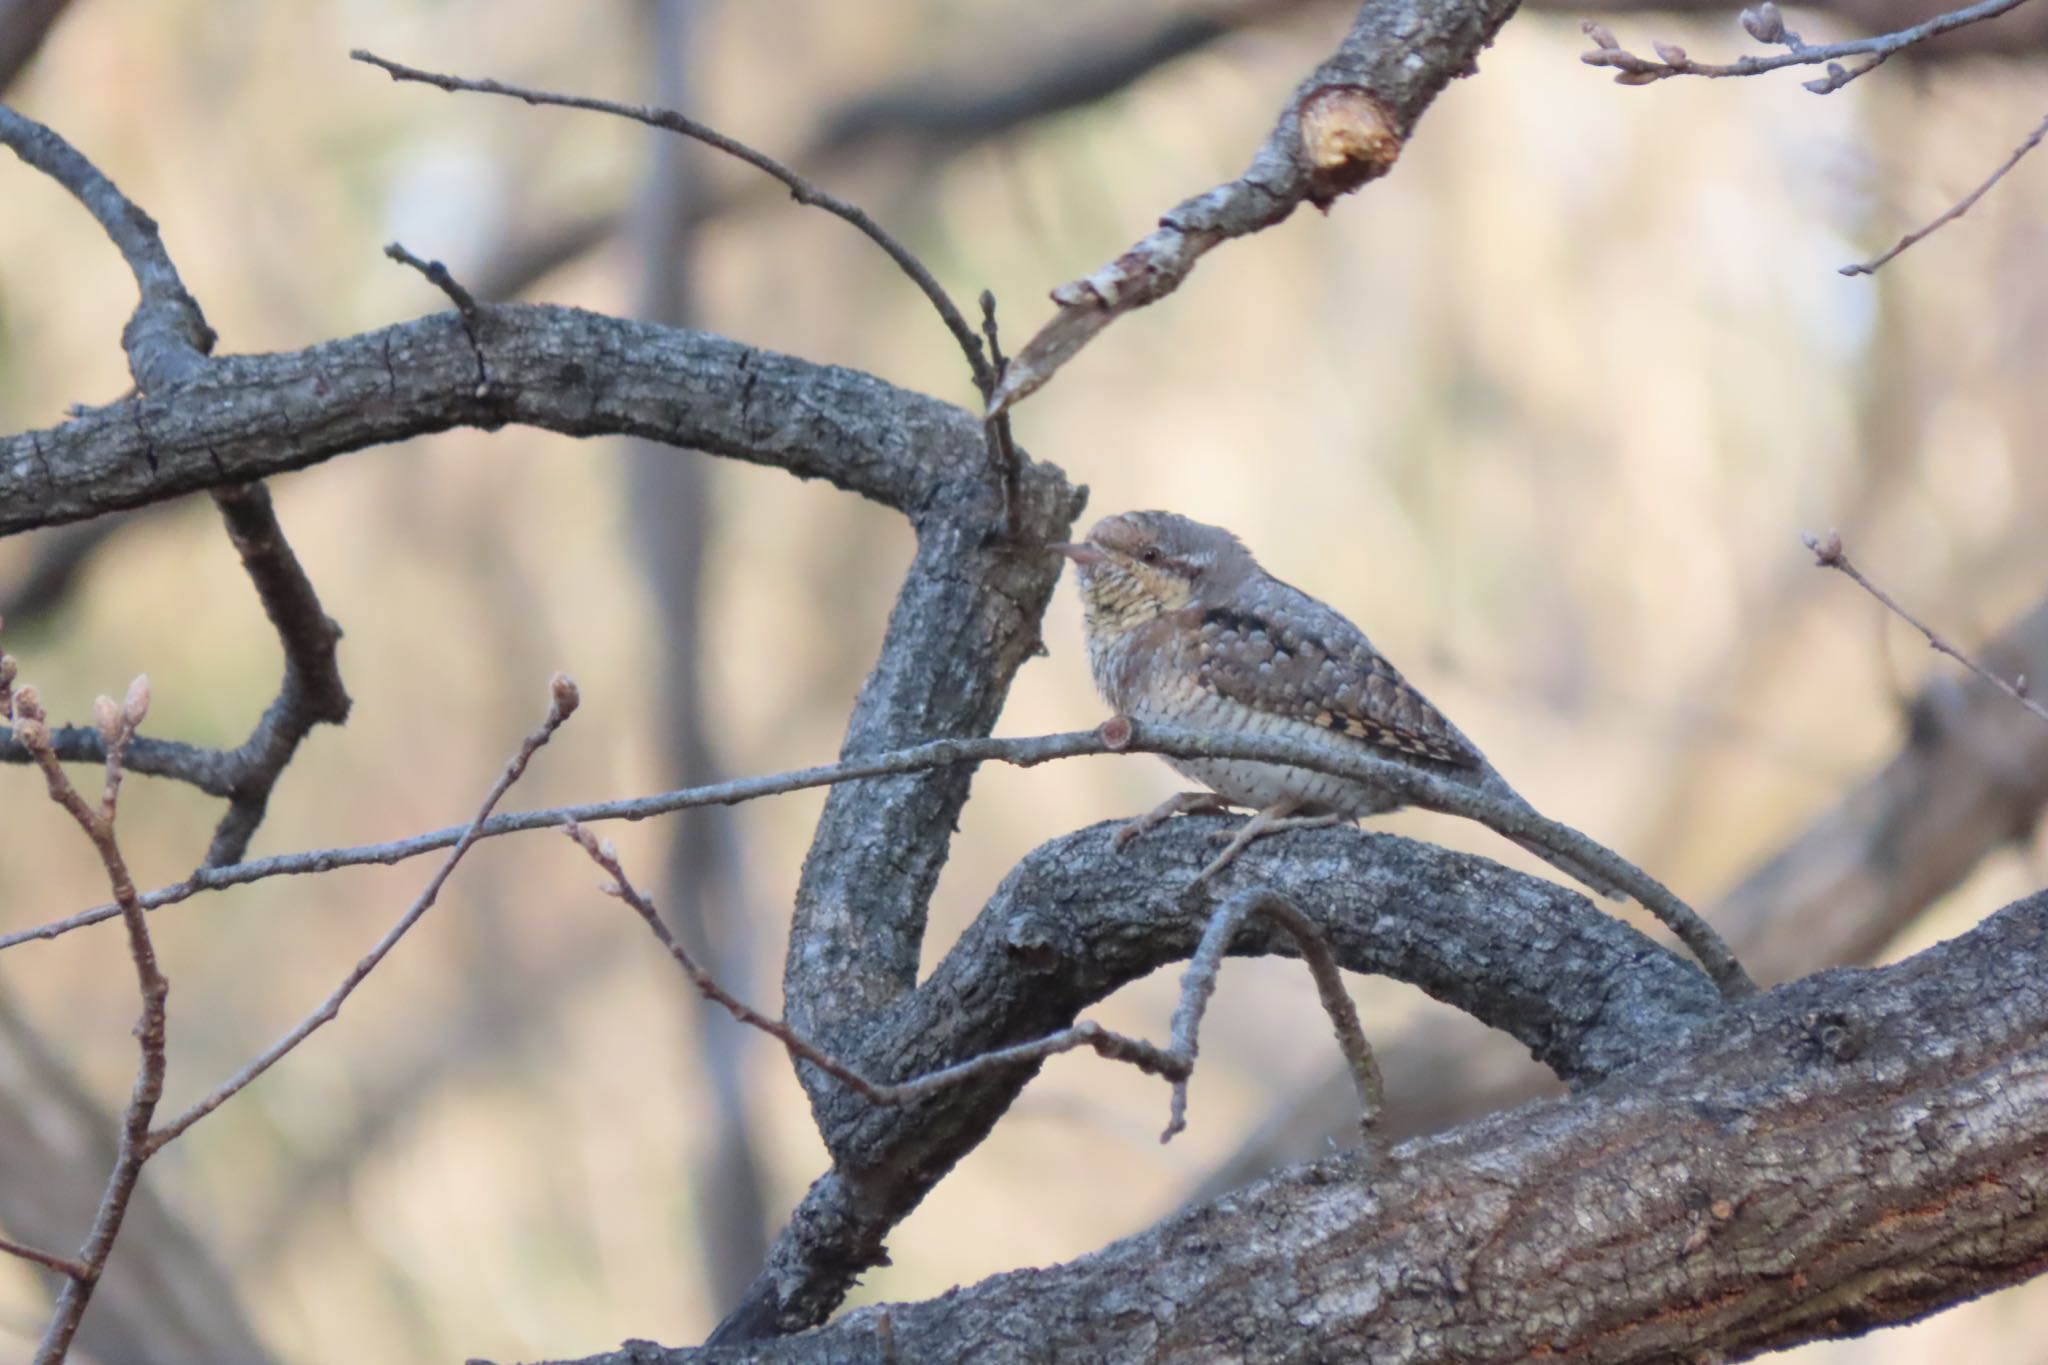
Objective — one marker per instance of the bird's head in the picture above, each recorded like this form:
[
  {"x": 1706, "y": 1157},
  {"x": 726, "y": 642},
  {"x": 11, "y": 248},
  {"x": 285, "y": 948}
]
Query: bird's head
[{"x": 1136, "y": 566}]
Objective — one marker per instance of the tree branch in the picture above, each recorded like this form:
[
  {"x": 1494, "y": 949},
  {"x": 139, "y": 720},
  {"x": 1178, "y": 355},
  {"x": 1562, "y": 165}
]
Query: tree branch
[
  {"x": 1076, "y": 919},
  {"x": 1828, "y": 555},
  {"x": 562, "y": 702},
  {"x": 1342, "y": 127},
  {"x": 167, "y": 337},
  {"x": 800, "y": 189},
  {"x": 1766, "y": 25},
  {"x": 1118, "y": 735},
  {"x": 1856, "y": 1149},
  {"x": 559, "y": 369}
]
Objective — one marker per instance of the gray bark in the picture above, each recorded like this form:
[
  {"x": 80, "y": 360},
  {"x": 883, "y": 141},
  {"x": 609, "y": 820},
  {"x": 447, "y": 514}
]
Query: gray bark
[{"x": 1853, "y": 1150}]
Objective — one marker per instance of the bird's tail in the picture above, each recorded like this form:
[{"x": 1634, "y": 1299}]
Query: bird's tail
[
  {"x": 1576, "y": 870},
  {"x": 1597, "y": 882}
]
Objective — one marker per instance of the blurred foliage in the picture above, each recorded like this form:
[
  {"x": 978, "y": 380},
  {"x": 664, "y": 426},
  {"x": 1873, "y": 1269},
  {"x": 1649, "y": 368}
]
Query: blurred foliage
[{"x": 1545, "y": 411}]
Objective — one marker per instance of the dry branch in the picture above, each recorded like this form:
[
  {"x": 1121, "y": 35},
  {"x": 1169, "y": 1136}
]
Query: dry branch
[
  {"x": 1117, "y": 736},
  {"x": 1955, "y": 210},
  {"x": 1765, "y": 24},
  {"x": 562, "y": 702},
  {"x": 1342, "y": 127},
  {"x": 1854, "y": 1150},
  {"x": 1175, "y": 1062},
  {"x": 1827, "y": 553},
  {"x": 800, "y": 189}
]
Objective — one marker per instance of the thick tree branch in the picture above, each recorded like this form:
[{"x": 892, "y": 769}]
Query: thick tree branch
[
  {"x": 1857, "y": 1149},
  {"x": 167, "y": 337},
  {"x": 560, "y": 369},
  {"x": 1342, "y": 127},
  {"x": 1075, "y": 920}
]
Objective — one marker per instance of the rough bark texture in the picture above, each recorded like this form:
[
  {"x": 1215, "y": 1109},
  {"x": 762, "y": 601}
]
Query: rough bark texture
[
  {"x": 1076, "y": 920},
  {"x": 562, "y": 369},
  {"x": 1852, "y": 1150}
]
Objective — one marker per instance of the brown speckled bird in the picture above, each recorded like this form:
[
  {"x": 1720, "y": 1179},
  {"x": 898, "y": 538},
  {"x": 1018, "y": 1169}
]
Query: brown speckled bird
[{"x": 1185, "y": 627}]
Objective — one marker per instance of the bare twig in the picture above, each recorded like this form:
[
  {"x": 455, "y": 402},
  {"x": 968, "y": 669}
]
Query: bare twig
[
  {"x": 1118, "y": 735},
  {"x": 1955, "y": 211},
  {"x": 1199, "y": 983},
  {"x": 1116, "y": 1047},
  {"x": 437, "y": 275},
  {"x": 63, "y": 1265},
  {"x": 167, "y": 337},
  {"x": 1828, "y": 554},
  {"x": 802, "y": 190},
  {"x": 562, "y": 704},
  {"x": 1176, "y": 1063},
  {"x": 118, "y": 722},
  {"x": 1765, "y": 24},
  {"x": 1002, "y": 449}
]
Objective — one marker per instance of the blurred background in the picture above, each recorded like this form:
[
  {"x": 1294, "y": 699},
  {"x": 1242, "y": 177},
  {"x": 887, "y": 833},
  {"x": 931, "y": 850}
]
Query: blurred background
[{"x": 1545, "y": 411}]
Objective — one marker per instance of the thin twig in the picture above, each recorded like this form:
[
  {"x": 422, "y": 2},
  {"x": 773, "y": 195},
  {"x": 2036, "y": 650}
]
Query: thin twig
[
  {"x": 1958, "y": 209},
  {"x": 1002, "y": 449},
  {"x": 1116, "y": 1047},
  {"x": 1828, "y": 554},
  {"x": 1175, "y": 1063},
  {"x": 118, "y": 722},
  {"x": 802, "y": 190},
  {"x": 562, "y": 702},
  {"x": 437, "y": 274},
  {"x": 1199, "y": 983},
  {"x": 1766, "y": 25},
  {"x": 1118, "y": 735},
  {"x": 63, "y": 1265}
]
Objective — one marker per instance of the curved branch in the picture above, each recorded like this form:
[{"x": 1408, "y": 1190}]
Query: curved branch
[
  {"x": 560, "y": 369},
  {"x": 1853, "y": 1150},
  {"x": 1075, "y": 920},
  {"x": 167, "y": 337}
]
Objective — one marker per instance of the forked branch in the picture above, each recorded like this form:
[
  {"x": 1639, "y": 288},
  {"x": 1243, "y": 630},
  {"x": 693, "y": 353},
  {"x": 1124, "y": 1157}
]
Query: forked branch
[{"x": 1176, "y": 1063}]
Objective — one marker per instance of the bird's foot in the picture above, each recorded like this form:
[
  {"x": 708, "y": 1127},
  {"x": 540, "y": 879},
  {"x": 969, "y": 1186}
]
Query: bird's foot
[
  {"x": 1272, "y": 820},
  {"x": 1180, "y": 803}
]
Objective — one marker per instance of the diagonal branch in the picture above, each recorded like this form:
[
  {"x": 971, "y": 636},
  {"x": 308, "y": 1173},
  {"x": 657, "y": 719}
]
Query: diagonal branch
[
  {"x": 1955, "y": 210},
  {"x": 1343, "y": 126},
  {"x": 562, "y": 704},
  {"x": 1828, "y": 554},
  {"x": 800, "y": 189},
  {"x": 118, "y": 722}
]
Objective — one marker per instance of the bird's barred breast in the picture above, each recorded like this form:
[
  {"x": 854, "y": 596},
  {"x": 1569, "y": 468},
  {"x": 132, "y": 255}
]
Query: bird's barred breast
[{"x": 1245, "y": 783}]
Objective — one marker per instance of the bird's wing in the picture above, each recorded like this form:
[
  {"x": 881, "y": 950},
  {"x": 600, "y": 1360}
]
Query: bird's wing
[{"x": 1299, "y": 658}]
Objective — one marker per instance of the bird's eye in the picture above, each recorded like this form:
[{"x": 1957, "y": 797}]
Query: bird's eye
[{"x": 1150, "y": 554}]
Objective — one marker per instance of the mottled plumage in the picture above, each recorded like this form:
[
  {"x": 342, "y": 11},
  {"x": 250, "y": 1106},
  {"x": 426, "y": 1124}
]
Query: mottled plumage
[{"x": 1184, "y": 626}]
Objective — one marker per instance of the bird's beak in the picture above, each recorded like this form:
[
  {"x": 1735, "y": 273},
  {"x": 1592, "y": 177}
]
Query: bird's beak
[{"x": 1080, "y": 551}]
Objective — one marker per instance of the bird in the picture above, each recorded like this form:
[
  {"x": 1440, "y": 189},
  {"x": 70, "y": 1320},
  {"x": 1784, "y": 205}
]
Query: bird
[{"x": 1184, "y": 627}]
